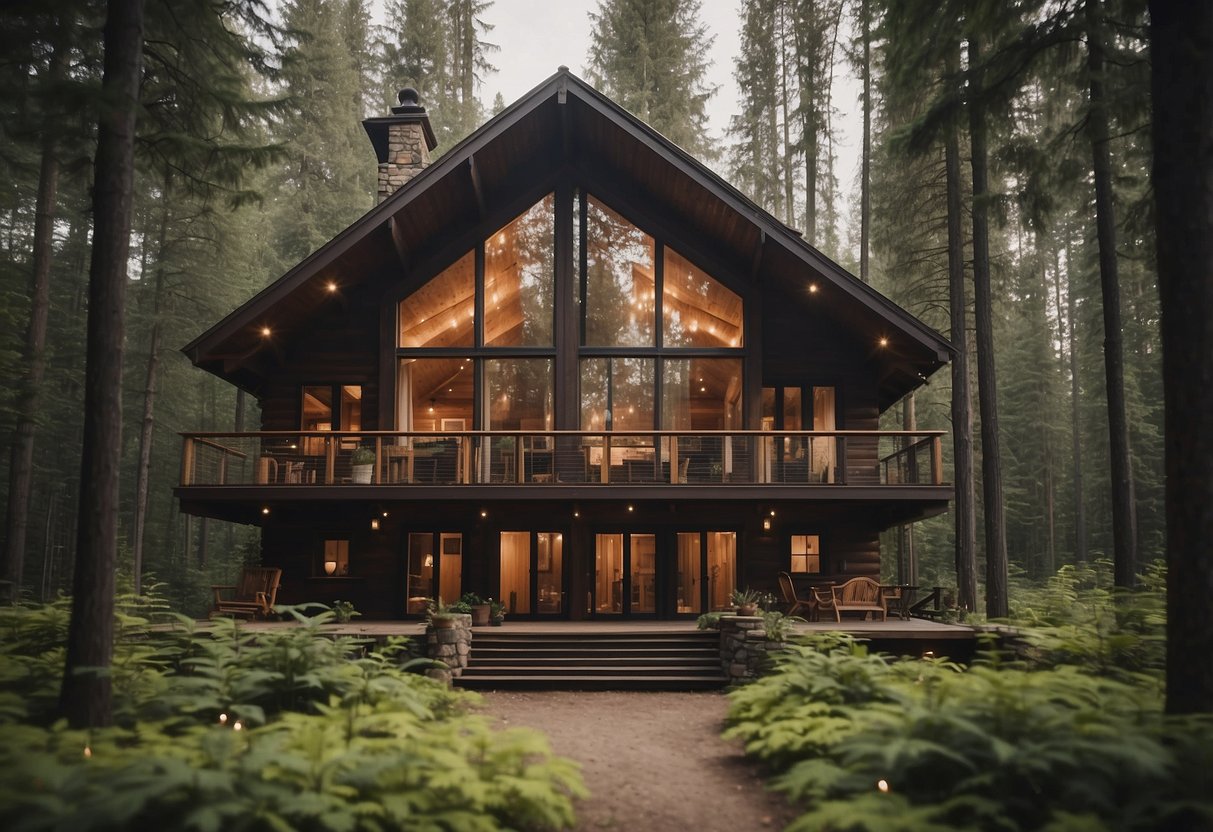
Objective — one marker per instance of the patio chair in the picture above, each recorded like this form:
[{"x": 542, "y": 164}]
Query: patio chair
[
  {"x": 823, "y": 599},
  {"x": 795, "y": 604},
  {"x": 254, "y": 596}
]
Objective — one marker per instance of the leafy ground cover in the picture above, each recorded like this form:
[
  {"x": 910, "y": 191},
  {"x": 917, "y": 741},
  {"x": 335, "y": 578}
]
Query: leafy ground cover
[
  {"x": 1065, "y": 732},
  {"x": 289, "y": 730}
]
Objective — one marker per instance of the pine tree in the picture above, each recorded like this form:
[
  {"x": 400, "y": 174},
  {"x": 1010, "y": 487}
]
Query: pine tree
[{"x": 650, "y": 57}]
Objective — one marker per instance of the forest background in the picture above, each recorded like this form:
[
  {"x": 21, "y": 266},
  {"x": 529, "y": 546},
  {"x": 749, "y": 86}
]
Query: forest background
[{"x": 975, "y": 207}]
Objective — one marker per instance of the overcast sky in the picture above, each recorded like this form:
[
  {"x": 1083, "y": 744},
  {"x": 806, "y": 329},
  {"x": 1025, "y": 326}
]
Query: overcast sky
[{"x": 537, "y": 36}]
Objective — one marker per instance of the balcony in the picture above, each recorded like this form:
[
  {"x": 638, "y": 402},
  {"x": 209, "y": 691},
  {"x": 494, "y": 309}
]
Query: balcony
[{"x": 689, "y": 462}]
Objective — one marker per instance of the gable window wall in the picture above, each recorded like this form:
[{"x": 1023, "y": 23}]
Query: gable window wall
[{"x": 658, "y": 341}]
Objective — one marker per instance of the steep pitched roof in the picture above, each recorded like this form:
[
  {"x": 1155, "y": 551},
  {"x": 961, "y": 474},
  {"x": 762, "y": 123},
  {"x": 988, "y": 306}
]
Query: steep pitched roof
[{"x": 563, "y": 121}]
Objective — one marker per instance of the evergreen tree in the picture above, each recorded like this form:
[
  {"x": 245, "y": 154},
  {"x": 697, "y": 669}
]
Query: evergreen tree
[{"x": 650, "y": 57}]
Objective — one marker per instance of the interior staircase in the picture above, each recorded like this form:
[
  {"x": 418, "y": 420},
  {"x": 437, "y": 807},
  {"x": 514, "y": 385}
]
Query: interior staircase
[{"x": 637, "y": 660}]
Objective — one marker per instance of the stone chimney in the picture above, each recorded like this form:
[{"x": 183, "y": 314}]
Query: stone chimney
[{"x": 402, "y": 141}]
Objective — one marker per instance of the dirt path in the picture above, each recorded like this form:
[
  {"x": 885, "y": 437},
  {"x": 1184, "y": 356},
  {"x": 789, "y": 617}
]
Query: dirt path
[{"x": 652, "y": 761}]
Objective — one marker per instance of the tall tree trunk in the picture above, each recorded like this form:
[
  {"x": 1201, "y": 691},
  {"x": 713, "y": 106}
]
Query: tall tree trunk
[
  {"x": 987, "y": 383},
  {"x": 962, "y": 406},
  {"x": 1181, "y": 52},
  {"x": 86, "y": 696},
  {"x": 21, "y": 469},
  {"x": 148, "y": 424},
  {"x": 865, "y": 170},
  {"x": 1124, "y": 514},
  {"x": 1080, "y": 508},
  {"x": 789, "y": 188}
]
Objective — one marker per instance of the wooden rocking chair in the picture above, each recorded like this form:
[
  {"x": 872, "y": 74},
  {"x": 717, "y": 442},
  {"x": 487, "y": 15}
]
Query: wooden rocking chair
[
  {"x": 795, "y": 605},
  {"x": 254, "y": 596}
]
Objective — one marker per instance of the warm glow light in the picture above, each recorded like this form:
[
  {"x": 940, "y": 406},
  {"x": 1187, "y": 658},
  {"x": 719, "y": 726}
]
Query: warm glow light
[
  {"x": 703, "y": 389},
  {"x": 265, "y": 332},
  {"x": 884, "y": 342},
  {"x": 223, "y": 719},
  {"x": 772, "y": 512},
  {"x": 576, "y": 513},
  {"x": 330, "y": 567},
  {"x": 88, "y": 752},
  {"x": 374, "y": 524},
  {"x": 812, "y": 288},
  {"x": 766, "y": 524},
  {"x": 385, "y": 514},
  {"x": 331, "y": 286},
  {"x": 484, "y": 514},
  {"x": 630, "y": 508},
  {"x": 265, "y": 509},
  {"x": 883, "y": 785},
  {"x": 237, "y": 726}
]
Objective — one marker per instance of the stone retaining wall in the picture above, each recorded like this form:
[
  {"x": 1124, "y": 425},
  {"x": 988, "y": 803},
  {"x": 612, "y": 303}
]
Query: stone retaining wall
[
  {"x": 744, "y": 647},
  {"x": 451, "y": 646}
]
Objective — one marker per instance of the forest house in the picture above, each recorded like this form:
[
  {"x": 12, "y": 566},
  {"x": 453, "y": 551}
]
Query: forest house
[{"x": 566, "y": 366}]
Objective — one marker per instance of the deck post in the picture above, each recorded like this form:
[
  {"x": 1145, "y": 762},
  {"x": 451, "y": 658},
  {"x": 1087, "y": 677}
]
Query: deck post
[
  {"x": 378, "y": 460},
  {"x": 936, "y": 461},
  {"x": 330, "y": 461},
  {"x": 842, "y": 460},
  {"x": 187, "y": 461}
]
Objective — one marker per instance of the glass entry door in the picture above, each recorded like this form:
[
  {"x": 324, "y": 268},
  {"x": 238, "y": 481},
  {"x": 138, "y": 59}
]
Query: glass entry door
[
  {"x": 625, "y": 574},
  {"x": 706, "y": 571},
  {"x": 434, "y": 569},
  {"x": 532, "y": 573}
]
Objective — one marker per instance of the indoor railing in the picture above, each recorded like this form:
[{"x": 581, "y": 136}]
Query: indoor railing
[{"x": 389, "y": 458}]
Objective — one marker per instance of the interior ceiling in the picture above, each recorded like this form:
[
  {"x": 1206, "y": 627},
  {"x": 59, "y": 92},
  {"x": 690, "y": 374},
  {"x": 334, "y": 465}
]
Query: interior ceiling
[{"x": 490, "y": 168}]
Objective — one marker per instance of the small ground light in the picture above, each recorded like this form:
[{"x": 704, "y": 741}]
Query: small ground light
[
  {"x": 88, "y": 752},
  {"x": 883, "y": 785},
  {"x": 239, "y": 726},
  {"x": 223, "y": 719}
]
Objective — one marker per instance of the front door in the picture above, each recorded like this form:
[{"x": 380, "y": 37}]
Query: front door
[
  {"x": 434, "y": 569},
  {"x": 635, "y": 577},
  {"x": 532, "y": 573}
]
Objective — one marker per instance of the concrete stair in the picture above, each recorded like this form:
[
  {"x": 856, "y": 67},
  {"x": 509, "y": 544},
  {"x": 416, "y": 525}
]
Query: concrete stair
[{"x": 556, "y": 660}]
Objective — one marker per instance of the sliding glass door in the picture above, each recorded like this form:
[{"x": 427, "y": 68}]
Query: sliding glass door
[{"x": 532, "y": 573}]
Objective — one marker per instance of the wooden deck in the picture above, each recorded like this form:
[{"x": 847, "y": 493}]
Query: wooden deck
[{"x": 894, "y": 629}]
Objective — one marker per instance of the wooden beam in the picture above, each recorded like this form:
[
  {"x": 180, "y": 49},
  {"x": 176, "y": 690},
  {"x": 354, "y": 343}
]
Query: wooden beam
[
  {"x": 398, "y": 243},
  {"x": 477, "y": 187},
  {"x": 756, "y": 261}
]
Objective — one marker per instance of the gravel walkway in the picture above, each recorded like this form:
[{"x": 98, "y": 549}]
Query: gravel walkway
[{"x": 652, "y": 761}]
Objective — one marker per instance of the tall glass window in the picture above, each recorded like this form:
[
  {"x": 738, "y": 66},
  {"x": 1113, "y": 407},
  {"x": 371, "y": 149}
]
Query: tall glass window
[
  {"x": 518, "y": 393},
  {"x": 697, "y": 310},
  {"x": 435, "y": 394},
  {"x": 518, "y": 281},
  {"x": 442, "y": 313},
  {"x": 701, "y": 393},
  {"x": 620, "y": 299}
]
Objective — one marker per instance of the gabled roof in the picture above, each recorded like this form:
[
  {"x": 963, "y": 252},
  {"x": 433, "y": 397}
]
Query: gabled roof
[{"x": 564, "y": 121}]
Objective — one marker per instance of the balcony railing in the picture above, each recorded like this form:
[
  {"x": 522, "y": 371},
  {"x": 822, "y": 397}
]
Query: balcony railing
[{"x": 811, "y": 458}]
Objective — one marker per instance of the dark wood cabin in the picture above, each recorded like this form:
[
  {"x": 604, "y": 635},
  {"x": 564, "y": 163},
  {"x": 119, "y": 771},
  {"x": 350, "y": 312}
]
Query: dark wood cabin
[{"x": 568, "y": 367}]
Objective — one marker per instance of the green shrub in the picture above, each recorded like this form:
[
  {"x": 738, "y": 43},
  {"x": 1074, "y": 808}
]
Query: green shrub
[{"x": 284, "y": 729}]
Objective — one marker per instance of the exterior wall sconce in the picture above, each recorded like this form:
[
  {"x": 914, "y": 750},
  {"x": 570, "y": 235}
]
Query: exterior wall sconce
[
  {"x": 374, "y": 524},
  {"x": 766, "y": 524}
]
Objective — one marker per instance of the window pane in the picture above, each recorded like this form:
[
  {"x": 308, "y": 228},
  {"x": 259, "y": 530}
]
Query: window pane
[
  {"x": 595, "y": 379},
  {"x": 698, "y": 310},
  {"x": 689, "y": 578},
  {"x": 518, "y": 280},
  {"x": 608, "y": 573},
  {"x": 644, "y": 572},
  {"x": 317, "y": 414},
  {"x": 701, "y": 394},
  {"x": 516, "y": 572},
  {"x": 336, "y": 557},
  {"x": 351, "y": 407},
  {"x": 551, "y": 568},
  {"x": 435, "y": 394},
  {"x": 620, "y": 304},
  {"x": 518, "y": 393},
  {"x": 617, "y": 393},
  {"x": 441, "y": 313},
  {"x": 806, "y": 553},
  {"x": 451, "y": 567},
  {"x": 722, "y": 568},
  {"x": 420, "y": 586},
  {"x": 824, "y": 463}
]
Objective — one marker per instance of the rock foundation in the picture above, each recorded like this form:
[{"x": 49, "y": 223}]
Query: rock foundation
[
  {"x": 744, "y": 649},
  {"x": 452, "y": 646}
]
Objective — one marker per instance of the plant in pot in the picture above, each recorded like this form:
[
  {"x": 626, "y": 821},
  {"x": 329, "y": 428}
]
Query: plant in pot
[
  {"x": 362, "y": 462},
  {"x": 441, "y": 616},
  {"x": 745, "y": 601},
  {"x": 478, "y": 607},
  {"x": 343, "y": 611},
  {"x": 496, "y": 613}
]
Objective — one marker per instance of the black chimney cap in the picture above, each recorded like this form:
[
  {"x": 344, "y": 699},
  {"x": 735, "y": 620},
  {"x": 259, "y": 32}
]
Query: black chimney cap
[{"x": 410, "y": 111}]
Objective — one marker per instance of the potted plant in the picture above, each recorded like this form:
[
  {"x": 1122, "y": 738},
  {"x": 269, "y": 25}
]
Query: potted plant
[
  {"x": 440, "y": 615},
  {"x": 496, "y": 613},
  {"x": 478, "y": 607},
  {"x": 745, "y": 601},
  {"x": 362, "y": 462},
  {"x": 343, "y": 611}
]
